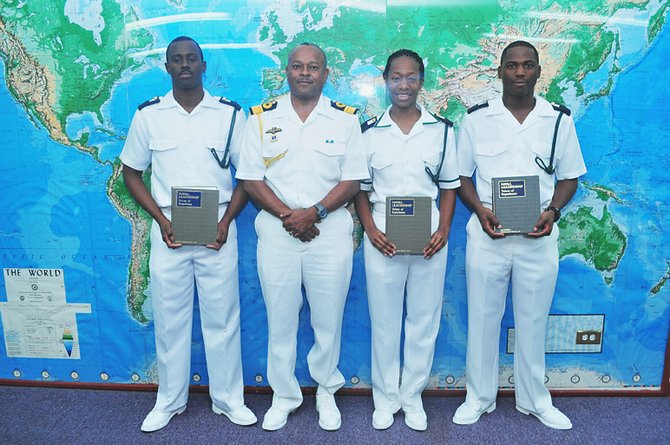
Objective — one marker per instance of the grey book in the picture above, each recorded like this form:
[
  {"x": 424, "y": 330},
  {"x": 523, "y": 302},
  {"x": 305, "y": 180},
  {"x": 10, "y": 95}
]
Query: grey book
[
  {"x": 516, "y": 203},
  {"x": 408, "y": 223},
  {"x": 195, "y": 215}
]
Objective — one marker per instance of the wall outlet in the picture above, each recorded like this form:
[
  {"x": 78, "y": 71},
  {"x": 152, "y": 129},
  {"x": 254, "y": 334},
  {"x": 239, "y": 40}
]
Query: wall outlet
[{"x": 588, "y": 337}]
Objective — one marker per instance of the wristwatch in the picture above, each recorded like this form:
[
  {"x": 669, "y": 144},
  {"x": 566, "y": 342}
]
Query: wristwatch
[
  {"x": 557, "y": 213},
  {"x": 321, "y": 211}
]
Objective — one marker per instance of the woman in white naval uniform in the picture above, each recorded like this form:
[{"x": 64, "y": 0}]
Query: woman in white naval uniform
[{"x": 409, "y": 151}]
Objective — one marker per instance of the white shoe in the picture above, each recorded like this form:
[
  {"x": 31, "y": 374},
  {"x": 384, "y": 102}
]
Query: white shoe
[
  {"x": 382, "y": 420},
  {"x": 466, "y": 414},
  {"x": 156, "y": 419},
  {"x": 416, "y": 420},
  {"x": 240, "y": 416},
  {"x": 329, "y": 416},
  {"x": 275, "y": 418},
  {"x": 553, "y": 418}
]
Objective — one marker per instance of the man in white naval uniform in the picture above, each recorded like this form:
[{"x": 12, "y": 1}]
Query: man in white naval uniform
[
  {"x": 178, "y": 135},
  {"x": 301, "y": 161},
  {"x": 512, "y": 136}
]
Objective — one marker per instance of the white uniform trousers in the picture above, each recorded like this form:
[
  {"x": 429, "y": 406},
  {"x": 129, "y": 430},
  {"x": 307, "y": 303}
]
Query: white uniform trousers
[
  {"x": 386, "y": 280},
  {"x": 173, "y": 273},
  {"x": 532, "y": 266},
  {"x": 323, "y": 266}
]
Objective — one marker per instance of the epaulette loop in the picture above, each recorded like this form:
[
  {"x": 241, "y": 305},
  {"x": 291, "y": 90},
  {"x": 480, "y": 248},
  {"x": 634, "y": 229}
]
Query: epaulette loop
[
  {"x": 561, "y": 108},
  {"x": 477, "y": 107},
  {"x": 233, "y": 104},
  {"x": 153, "y": 101},
  {"x": 343, "y": 107},
  {"x": 365, "y": 126},
  {"x": 442, "y": 119},
  {"x": 267, "y": 106}
]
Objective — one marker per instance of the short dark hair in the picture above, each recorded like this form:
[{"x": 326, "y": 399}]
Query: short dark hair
[
  {"x": 519, "y": 43},
  {"x": 183, "y": 39},
  {"x": 313, "y": 45},
  {"x": 404, "y": 53}
]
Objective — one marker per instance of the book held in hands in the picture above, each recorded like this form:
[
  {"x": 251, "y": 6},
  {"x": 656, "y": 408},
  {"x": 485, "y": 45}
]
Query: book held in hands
[
  {"x": 195, "y": 215},
  {"x": 408, "y": 223},
  {"x": 516, "y": 203}
]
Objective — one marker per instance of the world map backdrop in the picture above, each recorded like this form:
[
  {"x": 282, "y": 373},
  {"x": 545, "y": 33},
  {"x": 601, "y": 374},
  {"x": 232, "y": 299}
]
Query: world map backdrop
[{"x": 74, "y": 71}]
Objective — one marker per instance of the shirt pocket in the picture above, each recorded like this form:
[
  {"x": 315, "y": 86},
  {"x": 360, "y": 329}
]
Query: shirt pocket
[
  {"x": 380, "y": 167},
  {"x": 542, "y": 154},
  {"x": 166, "y": 158},
  {"x": 490, "y": 157},
  {"x": 160, "y": 145},
  {"x": 380, "y": 161},
  {"x": 431, "y": 157},
  {"x": 273, "y": 151},
  {"x": 490, "y": 149},
  {"x": 219, "y": 147},
  {"x": 331, "y": 149},
  {"x": 329, "y": 156}
]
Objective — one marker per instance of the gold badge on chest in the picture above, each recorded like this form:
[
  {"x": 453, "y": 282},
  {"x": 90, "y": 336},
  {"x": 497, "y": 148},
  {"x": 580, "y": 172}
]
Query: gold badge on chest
[{"x": 273, "y": 133}]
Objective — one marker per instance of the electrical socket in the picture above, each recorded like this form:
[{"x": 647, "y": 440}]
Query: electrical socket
[{"x": 588, "y": 337}]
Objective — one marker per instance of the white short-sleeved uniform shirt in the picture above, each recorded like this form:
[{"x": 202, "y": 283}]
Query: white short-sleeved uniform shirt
[
  {"x": 397, "y": 162},
  {"x": 494, "y": 144},
  {"x": 302, "y": 161},
  {"x": 178, "y": 145}
]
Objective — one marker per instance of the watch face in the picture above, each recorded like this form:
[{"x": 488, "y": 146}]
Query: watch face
[{"x": 321, "y": 211}]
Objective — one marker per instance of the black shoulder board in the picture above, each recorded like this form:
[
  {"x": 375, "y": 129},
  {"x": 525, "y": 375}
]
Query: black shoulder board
[
  {"x": 267, "y": 106},
  {"x": 477, "y": 107},
  {"x": 561, "y": 108},
  {"x": 442, "y": 119},
  {"x": 153, "y": 101},
  {"x": 365, "y": 126},
  {"x": 235, "y": 105},
  {"x": 342, "y": 107}
]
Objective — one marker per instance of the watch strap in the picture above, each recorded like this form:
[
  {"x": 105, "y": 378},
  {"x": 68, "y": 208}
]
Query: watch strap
[
  {"x": 557, "y": 212},
  {"x": 321, "y": 210}
]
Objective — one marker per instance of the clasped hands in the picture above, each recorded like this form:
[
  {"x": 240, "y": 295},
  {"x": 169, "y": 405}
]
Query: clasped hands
[{"x": 301, "y": 223}]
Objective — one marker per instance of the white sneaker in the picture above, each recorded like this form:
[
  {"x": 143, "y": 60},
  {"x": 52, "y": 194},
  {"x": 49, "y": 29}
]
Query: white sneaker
[
  {"x": 416, "y": 420},
  {"x": 382, "y": 420},
  {"x": 157, "y": 420},
  {"x": 466, "y": 414},
  {"x": 553, "y": 418},
  {"x": 275, "y": 418},
  {"x": 240, "y": 416},
  {"x": 329, "y": 416}
]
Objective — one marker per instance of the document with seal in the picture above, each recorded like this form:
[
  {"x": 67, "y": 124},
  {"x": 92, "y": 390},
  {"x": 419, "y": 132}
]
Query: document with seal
[
  {"x": 195, "y": 215},
  {"x": 408, "y": 223},
  {"x": 516, "y": 203}
]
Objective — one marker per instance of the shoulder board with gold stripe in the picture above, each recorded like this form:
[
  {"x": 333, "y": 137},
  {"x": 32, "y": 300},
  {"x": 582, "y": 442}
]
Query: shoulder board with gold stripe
[
  {"x": 342, "y": 107},
  {"x": 153, "y": 101},
  {"x": 477, "y": 107},
  {"x": 267, "y": 106},
  {"x": 233, "y": 104},
  {"x": 561, "y": 108},
  {"x": 442, "y": 119},
  {"x": 365, "y": 126}
]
